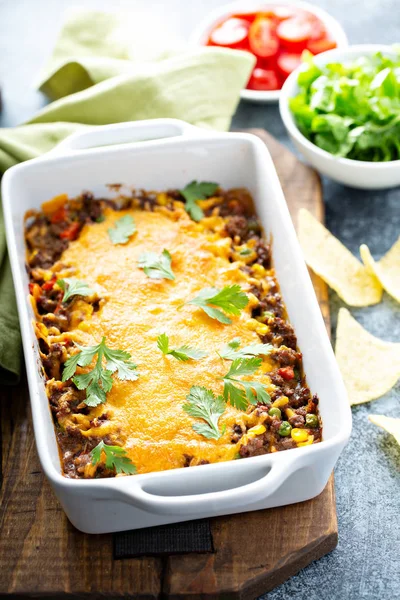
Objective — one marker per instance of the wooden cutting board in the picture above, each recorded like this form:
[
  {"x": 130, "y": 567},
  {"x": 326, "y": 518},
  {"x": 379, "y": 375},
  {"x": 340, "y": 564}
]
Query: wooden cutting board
[{"x": 42, "y": 554}]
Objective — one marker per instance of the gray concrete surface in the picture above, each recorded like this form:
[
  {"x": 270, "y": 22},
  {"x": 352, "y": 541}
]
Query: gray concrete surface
[{"x": 366, "y": 563}]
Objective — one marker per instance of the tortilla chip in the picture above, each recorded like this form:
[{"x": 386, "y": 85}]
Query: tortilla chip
[
  {"x": 390, "y": 424},
  {"x": 370, "y": 367},
  {"x": 336, "y": 265},
  {"x": 387, "y": 270}
]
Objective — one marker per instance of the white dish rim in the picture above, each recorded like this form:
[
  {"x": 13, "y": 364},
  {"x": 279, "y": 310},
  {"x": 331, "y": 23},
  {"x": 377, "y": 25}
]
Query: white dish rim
[{"x": 119, "y": 484}]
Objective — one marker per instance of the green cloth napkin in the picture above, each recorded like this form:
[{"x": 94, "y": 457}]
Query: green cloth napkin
[{"x": 110, "y": 69}]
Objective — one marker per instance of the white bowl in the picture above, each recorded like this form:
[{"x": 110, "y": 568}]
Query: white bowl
[
  {"x": 355, "y": 173},
  {"x": 201, "y": 34}
]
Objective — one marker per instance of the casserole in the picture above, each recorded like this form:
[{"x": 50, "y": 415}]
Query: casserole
[{"x": 185, "y": 153}]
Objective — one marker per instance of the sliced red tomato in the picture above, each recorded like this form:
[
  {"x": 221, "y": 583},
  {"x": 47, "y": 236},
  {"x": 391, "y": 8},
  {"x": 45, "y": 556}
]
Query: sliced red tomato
[
  {"x": 318, "y": 30},
  {"x": 71, "y": 232},
  {"x": 318, "y": 46},
  {"x": 285, "y": 12},
  {"x": 263, "y": 80},
  {"x": 288, "y": 62},
  {"x": 246, "y": 16},
  {"x": 232, "y": 33},
  {"x": 262, "y": 38},
  {"x": 294, "y": 33}
]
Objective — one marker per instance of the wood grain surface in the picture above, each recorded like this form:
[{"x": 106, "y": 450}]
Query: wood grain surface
[{"x": 42, "y": 555}]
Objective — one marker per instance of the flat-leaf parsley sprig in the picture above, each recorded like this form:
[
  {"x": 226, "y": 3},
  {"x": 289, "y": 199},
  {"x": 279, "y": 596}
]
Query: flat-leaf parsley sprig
[
  {"x": 232, "y": 351},
  {"x": 98, "y": 381},
  {"x": 195, "y": 191},
  {"x": 74, "y": 287},
  {"x": 182, "y": 353},
  {"x": 239, "y": 392},
  {"x": 122, "y": 230},
  {"x": 116, "y": 458},
  {"x": 156, "y": 266},
  {"x": 203, "y": 404},
  {"x": 231, "y": 299}
]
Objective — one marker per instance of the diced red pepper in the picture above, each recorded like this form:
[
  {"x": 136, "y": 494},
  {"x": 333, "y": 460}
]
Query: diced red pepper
[
  {"x": 71, "y": 232},
  {"x": 35, "y": 290},
  {"x": 59, "y": 215},
  {"x": 286, "y": 373},
  {"x": 48, "y": 285}
]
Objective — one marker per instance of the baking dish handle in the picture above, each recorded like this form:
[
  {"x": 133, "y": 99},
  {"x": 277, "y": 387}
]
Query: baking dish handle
[
  {"x": 198, "y": 504},
  {"x": 124, "y": 133}
]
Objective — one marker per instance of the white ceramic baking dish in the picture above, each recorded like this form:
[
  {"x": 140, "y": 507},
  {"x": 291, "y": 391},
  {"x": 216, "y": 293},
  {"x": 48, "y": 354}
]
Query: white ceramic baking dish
[{"x": 185, "y": 153}]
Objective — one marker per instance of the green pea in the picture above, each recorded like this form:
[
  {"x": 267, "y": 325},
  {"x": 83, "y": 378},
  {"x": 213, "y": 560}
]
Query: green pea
[
  {"x": 275, "y": 412},
  {"x": 312, "y": 420},
  {"x": 267, "y": 314},
  {"x": 285, "y": 429}
]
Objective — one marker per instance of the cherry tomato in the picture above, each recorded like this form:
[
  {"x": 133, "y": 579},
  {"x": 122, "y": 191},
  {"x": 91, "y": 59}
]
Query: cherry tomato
[
  {"x": 294, "y": 33},
  {"x": 71, "y": 232},
  {"x": 286, "y": 373},
  {"x": 288, "y": 63},
  {"x": 262, "y": 38},
  {"x": 318, "y": 30},
  {"x": 263, "y": 79},
  {"x": 246, "y": 16},
  {"x": 232, "y": 33},
  {"x": 285, "y": 12},
  {"x": 318, "y": 46}
]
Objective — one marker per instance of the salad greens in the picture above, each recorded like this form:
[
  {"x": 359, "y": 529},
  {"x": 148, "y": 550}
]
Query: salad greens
[{"x": 351, "y": 110}]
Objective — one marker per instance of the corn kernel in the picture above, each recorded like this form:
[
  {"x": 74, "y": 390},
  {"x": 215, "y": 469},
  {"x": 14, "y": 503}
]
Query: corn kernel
[
  {"x": 262, "y": 329},
  {"x": 258, "y": 270},
  {"x": 299, "y": 435},
  {"x": 257, "y": 430},
  {"x": 308, "y": 442},
  {"x": 280, "y": 402},
  {"x": 289, "y": 412}
]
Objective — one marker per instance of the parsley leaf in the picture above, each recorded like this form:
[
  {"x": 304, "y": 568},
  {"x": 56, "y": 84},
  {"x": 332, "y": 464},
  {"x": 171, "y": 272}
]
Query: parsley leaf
[
  {"x": 195, "y": 191},
  {"x": 124, "y": 228},
  {"x": 252, "y": 392},
  {"x": 231, "y": 299},
  {"x": 202, "y": 403},
  {"x": 98, "y": 381},
  {"x": 116, "y": 458},
  {"x": 231, "y": 352},
  {"x": 183, "y": 353},
  {"x": 74, "y": 287},
  {"x": 156, "y": 267}
]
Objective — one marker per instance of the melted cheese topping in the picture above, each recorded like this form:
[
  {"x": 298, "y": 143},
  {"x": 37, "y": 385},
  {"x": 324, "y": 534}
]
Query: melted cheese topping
[{"x": 147, "y": 414}]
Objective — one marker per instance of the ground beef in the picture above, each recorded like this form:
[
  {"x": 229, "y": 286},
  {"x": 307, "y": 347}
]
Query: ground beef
[
  {"x": 281, "y": 333},
  {"x": 297, "y": 421},
  {"x": 254, "y": 447},
  {"x": 52, "y": 362},
  {"x": 285, "y": 443},
  {"x": 148, "y": 200},
  {"x": 285, "y": 356},
  {"x": 236, "y": 227},
  {"x": 237, "y": 434},
  {"x": 263, "y": 251},
  {"x": 300, "y": 397}
]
